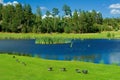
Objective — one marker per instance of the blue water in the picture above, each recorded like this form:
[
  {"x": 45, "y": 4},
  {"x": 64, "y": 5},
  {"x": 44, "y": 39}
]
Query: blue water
[{"x": 89, "y": 50}]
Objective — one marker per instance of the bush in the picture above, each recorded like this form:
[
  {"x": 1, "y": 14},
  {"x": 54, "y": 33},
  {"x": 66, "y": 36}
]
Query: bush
[
  {"x": 113, "y": 35},
  {"x": 67, "y": 30},
  {"x": 109, "y": 35}
]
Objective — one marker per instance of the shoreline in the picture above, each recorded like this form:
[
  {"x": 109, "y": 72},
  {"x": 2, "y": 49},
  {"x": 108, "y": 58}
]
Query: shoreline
[
  {"x": 60, "y": 38},
  {"x": 10, "y": 64}
]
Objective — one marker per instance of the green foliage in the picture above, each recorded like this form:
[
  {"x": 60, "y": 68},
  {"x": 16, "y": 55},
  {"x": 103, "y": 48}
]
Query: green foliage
[
  {"x": 67, "y": 30},
  {"x": 21, "y": 19},
  {"x": 67, "y": 10},
  {"x": 112, "y": 23},
  {"x": 55, "y": 11},
  {"x": 56, "y": 37},
  {"x": 113, "y": 35},
  {"x": 1, "y": 11},
  {"x": 0, "y": 28},
  {"x": 38, "y": 12},
  {"x": 52, "y": 40},
  {"x": 28, "y": 17},
  {"x": 48, "y": 13},
  {"x": 109, "y": 35}
]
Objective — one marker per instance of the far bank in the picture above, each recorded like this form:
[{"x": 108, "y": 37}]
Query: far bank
[{"x": 50, "y": 38}]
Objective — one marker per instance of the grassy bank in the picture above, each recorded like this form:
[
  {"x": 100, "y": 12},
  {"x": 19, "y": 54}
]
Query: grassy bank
[
  {"x": 37, "y": 69},
  {"x": 59, "y": 38}
]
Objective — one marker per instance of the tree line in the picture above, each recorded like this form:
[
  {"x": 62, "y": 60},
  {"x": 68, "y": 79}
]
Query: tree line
[{"x": 20, "y": 19}]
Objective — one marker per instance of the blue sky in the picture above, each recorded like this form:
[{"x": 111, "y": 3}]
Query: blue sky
[{"x": 109, "y": 8}]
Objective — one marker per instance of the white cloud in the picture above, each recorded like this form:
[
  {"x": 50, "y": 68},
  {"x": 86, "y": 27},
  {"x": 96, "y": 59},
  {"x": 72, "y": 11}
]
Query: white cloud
[
  {"x": 92, "y": 11},
  {"x": 1, "y": 1},
  {"x": 115, "y": 6},
  {"x": 15, "y": 2},
  {"x": 115, "y": 11},
  {"x": 43, "y": 8},
  {"x": 44, "y": 16},
  {"x": 67, "y": 16},
  {"x": 8, "y": 3}
]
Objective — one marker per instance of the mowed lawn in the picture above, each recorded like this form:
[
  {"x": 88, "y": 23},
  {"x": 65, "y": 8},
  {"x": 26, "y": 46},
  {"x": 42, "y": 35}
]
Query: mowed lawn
[{"x": 37, "y": 69}]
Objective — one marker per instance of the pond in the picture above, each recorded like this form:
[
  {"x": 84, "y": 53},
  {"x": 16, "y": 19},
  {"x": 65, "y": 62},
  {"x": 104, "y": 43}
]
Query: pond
[{"x": 89, "y": 50}]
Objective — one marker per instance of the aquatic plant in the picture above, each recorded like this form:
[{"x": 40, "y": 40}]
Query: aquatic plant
[{"x": 52, "y": 40}]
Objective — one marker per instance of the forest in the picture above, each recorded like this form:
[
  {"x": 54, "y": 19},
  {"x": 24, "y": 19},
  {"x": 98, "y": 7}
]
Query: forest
[{"x": 20, "y": 19}]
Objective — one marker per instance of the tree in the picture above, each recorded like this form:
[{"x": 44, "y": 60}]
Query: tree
[
  {"x": 83, "y": 22},
  {"x": 1, "y": 6},
  {"x": 28, "y": 18},
  {"x": 93, "y": 16},
  {"x": 38, "y": 12},
  {"x": 7, "y": 16},
  {"x": 55, "y": 12},
  {"x": 55, "y": 19},
  {"x": 76, "y": 21},
  {"x": 75, "y": 16},
  {"x": 0, "y": 16},
  {"x": 38, "y": 20},
  {"x": 99, "y": 18},
  {"x": 67, "y": 10},
  {"x": 18, "y": 18},
  {"x": 48, "y": 13}
]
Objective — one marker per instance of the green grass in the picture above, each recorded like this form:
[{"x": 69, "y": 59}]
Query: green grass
[
  {"x": 54, "y": 38},
  {"x": 57, "y": 35},
  {"x": 37, "y": 69}
]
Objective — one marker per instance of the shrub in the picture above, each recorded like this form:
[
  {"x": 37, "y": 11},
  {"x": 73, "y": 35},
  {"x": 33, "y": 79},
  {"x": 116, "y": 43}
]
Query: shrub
[{"x": 109, "y": 35}]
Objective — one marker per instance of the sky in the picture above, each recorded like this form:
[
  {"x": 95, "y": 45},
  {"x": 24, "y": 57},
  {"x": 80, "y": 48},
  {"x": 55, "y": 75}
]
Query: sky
[{"x": 109, "y": 8}]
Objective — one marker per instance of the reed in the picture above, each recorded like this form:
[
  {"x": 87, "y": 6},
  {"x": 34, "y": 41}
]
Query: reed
[{"x": 54, "y": 38}]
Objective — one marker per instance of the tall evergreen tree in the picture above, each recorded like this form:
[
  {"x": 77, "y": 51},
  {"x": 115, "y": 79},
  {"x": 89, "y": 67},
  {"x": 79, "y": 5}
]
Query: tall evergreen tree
[
  {"x": 55, "y": 12},
  {"x": 1, "y": 6},
  {"x": 7, "y": 16},
  {"x": 99, "y": 18},
  {"x": 48, "y": 13},
  {"x": 27, "y": 18},
  {"x": 67, "y": 10},
  {"x": 83, "y": 23},
  {"x": 18, "y": 18},
  {"x": 38, "y": 20},
  {"x": 76, "y": 21}
]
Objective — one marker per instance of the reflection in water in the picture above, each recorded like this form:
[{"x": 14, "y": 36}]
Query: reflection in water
[
  {"x": 53, "y": 57},
  {"x": 114, "y": 58},
  {"x": 87, "y": 58},
  {"x": 90, "y": 50},
  {"x": 67, "y": 58}
]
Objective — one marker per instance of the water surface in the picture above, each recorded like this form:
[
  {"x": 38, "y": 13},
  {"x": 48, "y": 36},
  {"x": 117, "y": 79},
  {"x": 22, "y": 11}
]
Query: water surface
[{"x": 89, "y": 50}]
